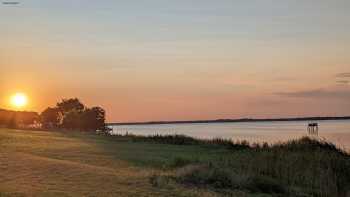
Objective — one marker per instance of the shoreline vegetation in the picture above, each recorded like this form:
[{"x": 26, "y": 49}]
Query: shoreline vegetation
[
  {"x": 179, "y": 165},
  {"x": 300, "y": 167},
  {"x": 235, "y": 120}
]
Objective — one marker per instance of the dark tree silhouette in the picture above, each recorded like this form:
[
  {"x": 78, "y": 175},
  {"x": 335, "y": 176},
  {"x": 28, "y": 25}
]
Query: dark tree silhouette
[
  {"x": 27, "y": 118},
  {"x": 68, "y": 105},
  {"x": 72, "y": 120},
  {"x": 15, "y": 119},
  {"x": 13, "y": 122},
  {"x": 73, "y": 115},
  {"x": 50, "y": 118},
  {"x": 68, "y": 114},
  {"x": 94, "y": 119},
  {"x": 6, "y": 117},
  {"x": 91, "y": 119}
]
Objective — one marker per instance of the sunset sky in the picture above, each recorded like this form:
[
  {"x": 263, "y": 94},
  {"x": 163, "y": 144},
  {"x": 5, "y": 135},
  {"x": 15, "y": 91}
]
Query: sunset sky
[{"x": 146, "y": 60}]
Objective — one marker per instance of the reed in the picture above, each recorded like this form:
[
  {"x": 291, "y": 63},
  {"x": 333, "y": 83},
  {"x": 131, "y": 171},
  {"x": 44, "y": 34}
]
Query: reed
[{"x": 302, "y": 167}]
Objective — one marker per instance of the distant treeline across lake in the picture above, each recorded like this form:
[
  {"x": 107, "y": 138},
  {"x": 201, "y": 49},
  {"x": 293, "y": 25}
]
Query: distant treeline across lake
[
  {"x": 336, "y": 130},
  {"x": 237, "y": 120}
]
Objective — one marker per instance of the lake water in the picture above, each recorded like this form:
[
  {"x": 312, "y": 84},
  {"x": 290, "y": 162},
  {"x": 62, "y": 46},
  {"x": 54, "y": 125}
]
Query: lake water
[{"x": 336, "y": 131}]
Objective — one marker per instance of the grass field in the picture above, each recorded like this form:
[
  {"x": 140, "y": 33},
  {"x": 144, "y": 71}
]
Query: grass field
[{"x": 42, "y": 163}]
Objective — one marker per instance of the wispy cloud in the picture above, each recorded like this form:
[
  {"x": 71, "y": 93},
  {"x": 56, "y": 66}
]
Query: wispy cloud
[
  {"x": 343, "y": 78},
  {"x": 344, "y": 82},
  {"x": 343, "y": 75},
  {"x": 284, "y": 79},
  {"x": 318, "y": 94}
]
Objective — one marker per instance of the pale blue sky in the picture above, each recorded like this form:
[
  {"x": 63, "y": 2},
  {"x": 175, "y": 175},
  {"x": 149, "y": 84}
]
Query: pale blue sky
[{"x": 157, "y": 55}]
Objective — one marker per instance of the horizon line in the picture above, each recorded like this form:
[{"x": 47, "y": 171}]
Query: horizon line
[{"x": 223, "y": 120}]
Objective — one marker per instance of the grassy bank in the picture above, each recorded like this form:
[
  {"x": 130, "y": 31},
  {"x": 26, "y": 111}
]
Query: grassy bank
[
  {"x": 40, "y": 163},
  {"x": 304, "y": 167}
]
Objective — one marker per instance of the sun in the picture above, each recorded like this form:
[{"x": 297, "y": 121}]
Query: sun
[{"x": 19, "y": 100}]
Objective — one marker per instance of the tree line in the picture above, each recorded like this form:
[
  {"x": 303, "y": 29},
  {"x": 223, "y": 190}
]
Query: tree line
[
  {"x": 15, "y": 119},
  {"x": 68, "y": 114}
]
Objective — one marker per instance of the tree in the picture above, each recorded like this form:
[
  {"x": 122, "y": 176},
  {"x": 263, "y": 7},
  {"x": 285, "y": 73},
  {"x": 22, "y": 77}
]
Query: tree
[
  {"x": 100, "y": 118},
  {"x": 50, "y": 118},
  {"x": 15, "y": 119},
  {"x": 13, "y": 122},
  {"x": 93, "y": 119},
  {"x": 5, "y": 117},
  {"x": 72, "y": 114},
  {"x": 72, "y": 120},
  {"x": 27, "y": 118},
  {"x": 68, "y": 105}
]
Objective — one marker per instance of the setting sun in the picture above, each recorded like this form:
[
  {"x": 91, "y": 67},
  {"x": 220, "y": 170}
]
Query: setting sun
[{"x": 19, "y": 100}]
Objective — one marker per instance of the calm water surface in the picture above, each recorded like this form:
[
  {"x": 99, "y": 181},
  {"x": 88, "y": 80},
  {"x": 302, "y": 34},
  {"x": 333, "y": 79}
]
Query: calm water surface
[{"x": 336, "y": 131}]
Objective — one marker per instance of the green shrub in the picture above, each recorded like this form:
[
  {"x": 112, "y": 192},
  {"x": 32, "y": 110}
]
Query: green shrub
[
  {"x": 180, "y": 162},
  {"x": 221, "y": 178},
  {"x": 160, "y": 180},
  {"x": 263, "y": 184}
]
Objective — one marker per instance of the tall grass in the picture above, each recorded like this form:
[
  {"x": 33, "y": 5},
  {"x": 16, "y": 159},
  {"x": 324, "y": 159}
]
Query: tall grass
[
  {"x": 186, "y": 140},
  {"x": 303, "y": 167}
]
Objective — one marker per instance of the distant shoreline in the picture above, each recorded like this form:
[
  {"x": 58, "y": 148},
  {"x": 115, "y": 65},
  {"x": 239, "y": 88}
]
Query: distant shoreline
[{"x": 233, "y": 120}]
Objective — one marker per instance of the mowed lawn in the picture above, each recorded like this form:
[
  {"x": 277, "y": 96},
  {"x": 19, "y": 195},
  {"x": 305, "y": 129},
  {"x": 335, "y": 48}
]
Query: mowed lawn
[{"x": 42, "y": 163}]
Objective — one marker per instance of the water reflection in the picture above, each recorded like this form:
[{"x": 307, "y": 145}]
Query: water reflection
[{"x": 336, "y": 131}]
